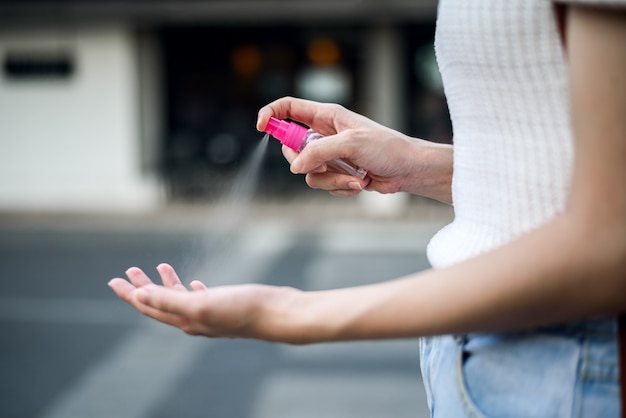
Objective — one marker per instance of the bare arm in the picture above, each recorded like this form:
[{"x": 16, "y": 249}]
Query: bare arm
[
  {"x": 571, "y": 268},
  {"x": 395, "y": 162}
]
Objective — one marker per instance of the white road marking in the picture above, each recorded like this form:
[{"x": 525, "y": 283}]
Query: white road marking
[{"x": 133, "y": 378}]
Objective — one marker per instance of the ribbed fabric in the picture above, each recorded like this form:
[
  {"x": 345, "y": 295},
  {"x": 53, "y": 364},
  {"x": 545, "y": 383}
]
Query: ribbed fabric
[
  {"x": 505, "y": 79},
  {"x": 616, "y": 3}
]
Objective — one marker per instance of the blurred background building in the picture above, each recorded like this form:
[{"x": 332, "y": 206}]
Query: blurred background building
[{"x": 133, "y": 104}]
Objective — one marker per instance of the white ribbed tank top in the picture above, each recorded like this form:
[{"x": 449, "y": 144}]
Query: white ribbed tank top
[{"x": 505, "y": 80}]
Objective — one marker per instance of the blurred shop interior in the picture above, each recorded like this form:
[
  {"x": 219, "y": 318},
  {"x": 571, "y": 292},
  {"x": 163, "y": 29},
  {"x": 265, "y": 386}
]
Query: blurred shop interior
[{"x": 150, "y": 101}]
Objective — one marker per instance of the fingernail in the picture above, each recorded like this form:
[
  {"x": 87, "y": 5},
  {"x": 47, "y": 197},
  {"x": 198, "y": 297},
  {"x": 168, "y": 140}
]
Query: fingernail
[
  {"x": 296, "y": 166},
  {"x": 355, "y": 185},
  {"x": 258, "y": 120}
]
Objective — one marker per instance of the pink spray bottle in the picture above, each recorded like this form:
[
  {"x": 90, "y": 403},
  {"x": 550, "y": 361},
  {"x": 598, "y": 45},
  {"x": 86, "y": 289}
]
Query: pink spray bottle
[{"x": 297, "y": 137}]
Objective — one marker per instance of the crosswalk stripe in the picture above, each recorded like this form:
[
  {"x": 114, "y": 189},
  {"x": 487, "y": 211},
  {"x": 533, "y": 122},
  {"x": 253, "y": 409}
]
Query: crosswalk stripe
[{"x": 148, "y": 364}]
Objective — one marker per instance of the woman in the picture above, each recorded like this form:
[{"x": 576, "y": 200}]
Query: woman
[{"x": 519, "y": 312}]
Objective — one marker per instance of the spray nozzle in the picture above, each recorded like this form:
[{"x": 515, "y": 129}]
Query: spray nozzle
[{"x": 289, "y": 134}]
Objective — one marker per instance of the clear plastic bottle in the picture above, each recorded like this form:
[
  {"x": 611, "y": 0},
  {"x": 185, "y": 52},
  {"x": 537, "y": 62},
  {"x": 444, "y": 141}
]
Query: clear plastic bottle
[{"x": 297, "y": 137}]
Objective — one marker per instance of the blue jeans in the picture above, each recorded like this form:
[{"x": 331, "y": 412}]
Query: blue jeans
[{"x": 565, "y": 371}]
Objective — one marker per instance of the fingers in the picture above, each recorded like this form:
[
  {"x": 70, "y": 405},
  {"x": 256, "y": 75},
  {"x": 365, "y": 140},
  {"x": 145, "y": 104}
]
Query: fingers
[
  {"x": 137, "y": 277},
  {"x": 172, "y": 307},
  {"x": 167, "y": 301},
  {"x": 320, "y": 177},
  {"x": 329, "y": 120},
  {"x": 288, "y": 107},
  {"x": 322, "y": 117},
  {"x": 344, "y": 193},
  {"x": 197, "y": 285},
  {"x": 344, "y": 145},
  {"x": 169, "y": 277},
  {"x": 336, "y": 183},
  {"x": 133, "y": 292},
  {"x": 291, "y": 155},
  {"x": 125, "y": 288},
  {"x": 122, "y": 288},
  {"x": 127, "y": 292},
  {"x": 161, "y": 316}
]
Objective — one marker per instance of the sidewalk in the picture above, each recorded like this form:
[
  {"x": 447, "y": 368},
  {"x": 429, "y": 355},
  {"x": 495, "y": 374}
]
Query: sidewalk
[
  {"x": 302, "y": 214},
  {"x": 98, "y": 351}
]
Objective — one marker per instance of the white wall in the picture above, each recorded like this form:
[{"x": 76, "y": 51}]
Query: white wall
[{"x": 74, "y": 144}]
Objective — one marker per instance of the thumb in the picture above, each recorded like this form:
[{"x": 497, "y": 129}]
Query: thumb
[
  {"x": 318, "y": 152},
  {"x": 165, "y": 300},
  {"x": 197, "y": 285}
]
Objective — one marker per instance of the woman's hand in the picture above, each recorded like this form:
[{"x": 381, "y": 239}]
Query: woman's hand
[
  {"x": 246, "y": 311},
  {"x": 395, "y": 162}
]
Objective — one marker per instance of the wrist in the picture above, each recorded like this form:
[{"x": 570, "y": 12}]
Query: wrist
[
  {"x": 291, "y": 316},
  {"x": 433, "y": 168}
]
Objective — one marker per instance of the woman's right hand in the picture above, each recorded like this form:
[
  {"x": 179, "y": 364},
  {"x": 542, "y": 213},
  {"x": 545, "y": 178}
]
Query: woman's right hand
[{"x": 395, "y": 162}]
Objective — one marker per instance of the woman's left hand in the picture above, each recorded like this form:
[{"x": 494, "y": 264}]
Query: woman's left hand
[{"x": 246, "y": 311}]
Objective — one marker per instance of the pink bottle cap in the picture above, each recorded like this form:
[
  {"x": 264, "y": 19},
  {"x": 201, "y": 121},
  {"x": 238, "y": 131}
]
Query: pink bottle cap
[{"x": 289, "y": 134}]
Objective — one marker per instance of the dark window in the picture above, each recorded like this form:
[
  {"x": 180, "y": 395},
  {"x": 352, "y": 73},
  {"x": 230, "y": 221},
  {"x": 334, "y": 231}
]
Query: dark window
[{"x": 38, "y": 65}]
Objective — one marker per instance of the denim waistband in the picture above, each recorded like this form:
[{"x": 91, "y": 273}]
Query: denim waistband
[
  {"x": 570, "y": 365},
  {"x": 604, "y": 328},
  {"x": 597, "y": 337}
]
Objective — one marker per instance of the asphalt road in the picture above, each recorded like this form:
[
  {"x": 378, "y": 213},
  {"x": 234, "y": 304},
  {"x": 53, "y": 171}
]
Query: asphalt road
[{"x": 69, "y": 348}]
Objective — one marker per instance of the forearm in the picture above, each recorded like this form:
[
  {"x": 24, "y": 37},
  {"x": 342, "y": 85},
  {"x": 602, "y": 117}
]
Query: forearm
[
  {"x": 571, "y": 268},
  {"x": 432, "y": 174},
  {"x": 546, "y": 277}
]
